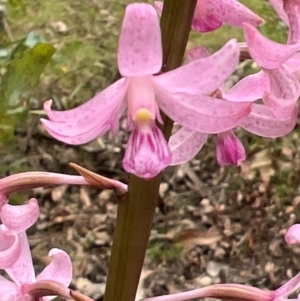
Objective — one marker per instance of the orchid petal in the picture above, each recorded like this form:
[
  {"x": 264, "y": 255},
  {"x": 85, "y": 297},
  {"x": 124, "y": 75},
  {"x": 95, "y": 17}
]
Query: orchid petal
[
  {"x": 19, "y": 218},
  {"x": 250, "y": 88},
  {"x": 268, "y": 54},
  {"x": 262, "y": 122},
  {"x": 3, "y": 196},
  {"x": 9, "y": 291},
  {"x": 230, "y": 149},
  {"x": 9, "y": 247},
  {"x": 196, "y": 53},
  {"x": 60, "y": 269},
  {"x": 287, "y": 288},
  {"x": 285, "y": 91},
  {"x": 185, "y": 144},
  {"x": 292, "y": 235},
  {"x": 141, "y": 95},
  {"x": 204, "y": 20},
  {"x": 209, "y": 15},
  {"x": 140, "y": 49},
  {"x": 91, "y": 119},
  {"x": 147, "y": 152},
  {"x": 158, "y": 5},
  {"x": 201, "y": 76},
  {"x": 278, "y": 5},
  {"x": 293, "y": 63},
  {"x": 22, "y": 271},
  {"x": 202, "y": 113},
  {"x": 292, "y": 9}
]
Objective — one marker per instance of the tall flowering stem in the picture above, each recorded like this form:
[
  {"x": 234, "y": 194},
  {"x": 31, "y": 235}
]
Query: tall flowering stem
[{"x": 136, "y": 210}]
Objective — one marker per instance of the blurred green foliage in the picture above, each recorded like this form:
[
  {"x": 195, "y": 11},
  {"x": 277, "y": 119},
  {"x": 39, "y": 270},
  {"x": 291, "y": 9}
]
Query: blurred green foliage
[
  {"x": 18, "y": 83},
  {"x": 158, "y": 250}
]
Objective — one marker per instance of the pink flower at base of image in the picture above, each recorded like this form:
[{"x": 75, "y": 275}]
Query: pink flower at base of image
[
  {"x": 15, "y": 255},
  {"x": 15, "y": 259}
]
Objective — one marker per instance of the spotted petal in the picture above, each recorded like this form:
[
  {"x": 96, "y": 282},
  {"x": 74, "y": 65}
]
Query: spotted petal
[
  {"x": 230, "y": 149},
  {"x": 278, "y": 5},
  {"x": 289, "y": 12},
  {"x": 284, "y": 92},
  {"x": 196, "y": 53},
  {"x": 9, "y": 247},
  {"x": 263, "y": 122},
  {"x": 140, "y": 49},
  {"x": 250, "y": 88},
  {"x": 209, "y": 15},
  {"x": 185, "y": 144},
  {"x": 59, "y": 269},
  {"x": 201, "y": 76},
  {"x": 19, "y": 218},
  {"x": 90, "y": 120},
  {"x": 268, "y": 54},
  {"x": 202, "y": 113},
  {"x": 292, "y": 8},
  {"x": 8, "y": 290},
  {"x": 147, "y": 152},
  {"x": 22, "y": 271},
  {"x": 293, "y": 63}
]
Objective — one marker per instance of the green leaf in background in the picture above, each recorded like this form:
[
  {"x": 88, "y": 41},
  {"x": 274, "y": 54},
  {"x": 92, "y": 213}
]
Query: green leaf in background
[
  {"x": 18, "y": 83},
  {"x": 22, "y": 45},
  {"x": 14, "y": 3}
]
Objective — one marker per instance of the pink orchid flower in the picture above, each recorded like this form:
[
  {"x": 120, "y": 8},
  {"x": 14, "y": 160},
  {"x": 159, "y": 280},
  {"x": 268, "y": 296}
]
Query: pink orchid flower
[
  {"x": 143, "y": 93},
  {"x": 16, "y": 220},
  {"x": 186, "y": 142},
  {"x": 210, "y": 15},
  {"x": 279, "y": 62},
  {"x": 236, "y": 292},
  {"x": 15, "y": 258},
  {"x": 230, "y": 149},
  {"x": 289, "y": 12},
  {"x": 292, "y": 235},
  {"x": 284, "y": 90}
]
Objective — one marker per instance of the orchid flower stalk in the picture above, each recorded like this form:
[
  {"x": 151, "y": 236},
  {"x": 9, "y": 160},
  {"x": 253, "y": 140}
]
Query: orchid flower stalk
[{"x": 135, "y": 212}]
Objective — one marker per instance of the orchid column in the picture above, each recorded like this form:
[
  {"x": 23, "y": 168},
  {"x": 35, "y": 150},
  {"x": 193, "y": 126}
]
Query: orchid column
[{"x": 135, "y": 211}]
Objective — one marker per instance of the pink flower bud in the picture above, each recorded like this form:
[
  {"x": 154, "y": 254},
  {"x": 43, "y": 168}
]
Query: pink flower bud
[{"x": 230, "y": 150}]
